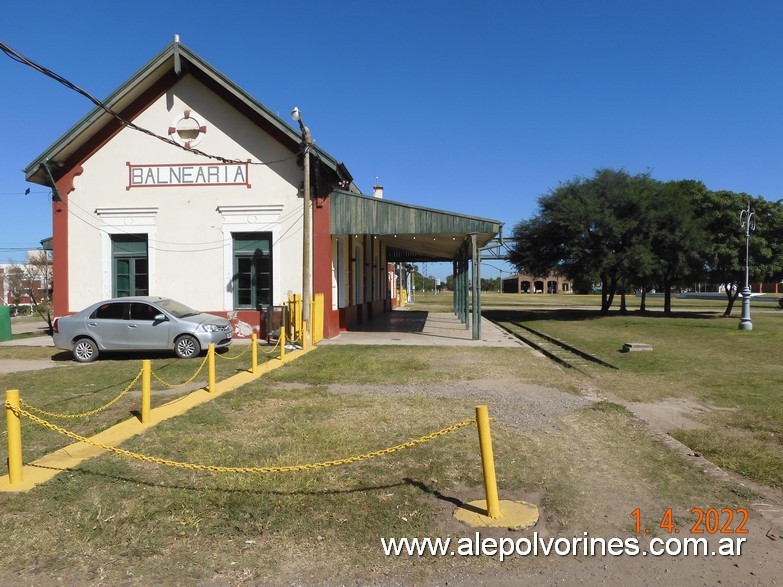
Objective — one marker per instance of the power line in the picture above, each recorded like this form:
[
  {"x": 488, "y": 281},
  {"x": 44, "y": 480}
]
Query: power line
[
  {"x": 220, "y": 245},
  {"x": 15, "y": 56}
]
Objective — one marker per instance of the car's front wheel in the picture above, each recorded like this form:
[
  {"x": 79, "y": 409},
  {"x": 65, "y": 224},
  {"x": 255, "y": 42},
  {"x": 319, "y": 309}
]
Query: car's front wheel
[
  {"x": 85, "y": 350},
  {"x": 187, "y": 347}
]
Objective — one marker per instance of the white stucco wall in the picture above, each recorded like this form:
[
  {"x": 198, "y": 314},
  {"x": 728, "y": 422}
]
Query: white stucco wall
[{"x": 189, "y": 227}]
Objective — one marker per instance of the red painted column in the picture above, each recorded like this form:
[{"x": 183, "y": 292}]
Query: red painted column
[
  {"x": 60, "y": 248},
  {"x": 322, "y": 263}
]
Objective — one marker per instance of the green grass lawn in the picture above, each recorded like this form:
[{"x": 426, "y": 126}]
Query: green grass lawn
[
  {"x": 697, "y": 354},
  {"x": 114, "y": 520},
  {"x": 72, "y": 388}
]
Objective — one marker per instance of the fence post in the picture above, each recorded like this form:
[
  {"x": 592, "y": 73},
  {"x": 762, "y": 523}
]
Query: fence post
[
  {"x": 281, "y": 342},
  {"x": 487, "y": 462},
  {"x": 146, "y": 371},
  {"x": 211, "y": 361},
  {"x": 14, "y": 436},
  {"x": 312, "y": 322},
  {"x": 253, "y": 353}
]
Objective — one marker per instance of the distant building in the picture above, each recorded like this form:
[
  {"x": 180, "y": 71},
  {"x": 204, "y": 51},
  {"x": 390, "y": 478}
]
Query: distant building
[
  {"x": 551, "y": 284},
  {"x": 18, "y": 280}
]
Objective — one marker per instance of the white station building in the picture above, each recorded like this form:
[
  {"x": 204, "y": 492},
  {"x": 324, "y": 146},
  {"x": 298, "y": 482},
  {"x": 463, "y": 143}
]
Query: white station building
[{"x": 136, "y": 215}]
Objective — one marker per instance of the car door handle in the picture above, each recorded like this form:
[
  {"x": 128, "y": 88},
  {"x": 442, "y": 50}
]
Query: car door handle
[
  {"x": 131, "y": 326},
  {"x": 92, "y": 324}
]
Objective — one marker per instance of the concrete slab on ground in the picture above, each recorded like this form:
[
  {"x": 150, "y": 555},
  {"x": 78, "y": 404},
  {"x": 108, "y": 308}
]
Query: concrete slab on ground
[
  {"x": 26, "y": 326},
  {"x": 29, "y": 341},
  {"x": 417, "y": 327}
]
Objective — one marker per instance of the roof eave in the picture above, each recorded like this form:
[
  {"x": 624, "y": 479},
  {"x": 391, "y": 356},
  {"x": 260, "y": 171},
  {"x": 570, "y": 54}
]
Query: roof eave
[
  {"x": 34, "y": 173},
  {"x": 176, "y": 57}
]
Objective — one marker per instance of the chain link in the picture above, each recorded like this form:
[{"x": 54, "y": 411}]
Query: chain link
[
  {"x": 234, "y": 358},
  {"x": 84, "y": 414},
  {"x": 220, "y": 469},
  {"x": 173, "y": 385},
  {"x": 272, "y": 350}
]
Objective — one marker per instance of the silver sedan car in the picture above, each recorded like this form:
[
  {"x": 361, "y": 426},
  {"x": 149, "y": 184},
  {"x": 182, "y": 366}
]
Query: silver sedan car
[{"x": 139, "y": 324}]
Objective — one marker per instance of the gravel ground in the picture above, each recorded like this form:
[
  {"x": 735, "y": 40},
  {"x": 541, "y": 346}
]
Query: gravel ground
[
  {"x": 525, "y": 407},
  {"x": 534, "y": 409}
]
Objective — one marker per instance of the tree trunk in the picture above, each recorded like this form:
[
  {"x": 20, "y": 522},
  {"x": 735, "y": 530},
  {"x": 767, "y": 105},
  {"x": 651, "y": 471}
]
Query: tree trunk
[
  {"x": 667, "y": 293},
  {"x": 42, "y": 309},
  {"x": 623, "y": 307},
  {"x": 731, "y": 299},
  {"x": 607, "y": 301}
]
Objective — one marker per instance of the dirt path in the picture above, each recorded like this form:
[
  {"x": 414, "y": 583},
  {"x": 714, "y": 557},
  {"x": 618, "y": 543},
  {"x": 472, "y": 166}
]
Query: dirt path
[{"x": 15, "y": 365}]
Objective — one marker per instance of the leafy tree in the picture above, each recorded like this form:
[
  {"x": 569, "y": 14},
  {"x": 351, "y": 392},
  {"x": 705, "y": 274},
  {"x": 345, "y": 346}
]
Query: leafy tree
[
  {"x": 560, "y": 237},
  {"x": 587, "y": 229},
  {"x": 14, "y": 277},
  {"x": 34, "y": 281},
  {"x": 766, "y": 246},
  {"x": 422, "y": 282},
  {"x": 677, "y": 236},
  {"x": 490, "y": 284},
  {"x": 724, "y": 259}
]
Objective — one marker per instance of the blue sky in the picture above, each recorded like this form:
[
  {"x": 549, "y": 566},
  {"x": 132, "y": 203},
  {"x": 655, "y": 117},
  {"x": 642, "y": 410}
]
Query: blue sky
[{"x": 472, "y": 107}]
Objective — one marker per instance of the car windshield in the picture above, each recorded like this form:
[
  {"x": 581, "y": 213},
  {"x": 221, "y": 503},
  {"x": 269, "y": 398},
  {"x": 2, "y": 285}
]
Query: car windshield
[{"x": 176, "y": 309}]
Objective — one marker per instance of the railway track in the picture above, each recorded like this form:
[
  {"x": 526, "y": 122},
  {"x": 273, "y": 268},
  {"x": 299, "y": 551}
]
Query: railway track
[{"x": 561, "y": 352}]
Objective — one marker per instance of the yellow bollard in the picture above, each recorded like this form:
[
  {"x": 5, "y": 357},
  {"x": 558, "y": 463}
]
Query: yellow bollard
[
  {"x": 253, "y": 353},
  {"x": 487, "y": 462},
  {"x": 516, "y": 515},
  {"x": 14, "y": 437},
  {"x": 312, "y": 322},
  {"x": 281, "y": 342},
  {"x": 146, "y": 372},
  {"x": 211, "y": 361}
]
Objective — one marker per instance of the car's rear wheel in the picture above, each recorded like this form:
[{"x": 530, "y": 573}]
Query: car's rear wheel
[
  {"x": 187, "y": 347},
  {"x": 85, "y": 350}
]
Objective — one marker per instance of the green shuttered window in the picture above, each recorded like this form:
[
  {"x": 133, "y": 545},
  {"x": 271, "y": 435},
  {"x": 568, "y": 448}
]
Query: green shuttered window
[
  {"x": 130, "y": 265},
  {"x": 252, "y": 269}
]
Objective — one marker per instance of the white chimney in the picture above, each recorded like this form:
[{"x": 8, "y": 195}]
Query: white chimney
[{"x": 377, "y": 190}]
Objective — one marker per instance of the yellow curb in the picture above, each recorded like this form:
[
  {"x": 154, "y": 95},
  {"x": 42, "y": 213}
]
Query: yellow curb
[
  {"x": 514, "y": 515},
  {"x": 66, "y": 458}
]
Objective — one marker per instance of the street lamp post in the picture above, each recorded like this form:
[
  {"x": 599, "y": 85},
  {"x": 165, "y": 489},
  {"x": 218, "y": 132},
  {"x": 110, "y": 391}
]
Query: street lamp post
[
  {"x": 748, "y": 222},
  {"x": 306, "y": 229}
]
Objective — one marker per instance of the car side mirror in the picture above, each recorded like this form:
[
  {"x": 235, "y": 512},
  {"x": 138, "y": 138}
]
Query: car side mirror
[{"x": 160, "y": 318}]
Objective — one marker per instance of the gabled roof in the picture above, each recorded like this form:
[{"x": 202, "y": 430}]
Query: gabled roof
[{"x": 150, "y": 82}]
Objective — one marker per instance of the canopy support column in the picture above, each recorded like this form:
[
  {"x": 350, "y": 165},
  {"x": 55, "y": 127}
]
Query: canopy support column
[{"x": 476, "y": 278}]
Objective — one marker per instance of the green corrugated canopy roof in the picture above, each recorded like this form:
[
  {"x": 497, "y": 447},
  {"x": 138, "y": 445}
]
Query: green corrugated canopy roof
[{"x": 412, "y": 233}]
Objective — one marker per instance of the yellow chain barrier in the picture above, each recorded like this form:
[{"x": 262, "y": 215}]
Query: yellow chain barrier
[
  {"x": 272, "y": 350},
  {"x": 235, "y": 357},
  {"x": 172, "y": 385},
  {"x": 294, "y": 341},
  {"x": 219, "y": 469},
  {"x": 85, "y": 414}
]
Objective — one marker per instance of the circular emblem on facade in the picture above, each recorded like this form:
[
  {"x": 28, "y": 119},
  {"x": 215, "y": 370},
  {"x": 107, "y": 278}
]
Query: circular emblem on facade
[{"x": 187, "y": 129}]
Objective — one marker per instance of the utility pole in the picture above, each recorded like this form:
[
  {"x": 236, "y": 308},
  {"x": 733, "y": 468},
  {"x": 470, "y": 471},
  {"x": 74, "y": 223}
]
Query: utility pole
[{"x": 307, "y": 231}]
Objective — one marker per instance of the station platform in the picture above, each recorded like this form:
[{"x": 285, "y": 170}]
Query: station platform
[{"x": 417, "y": 327}]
